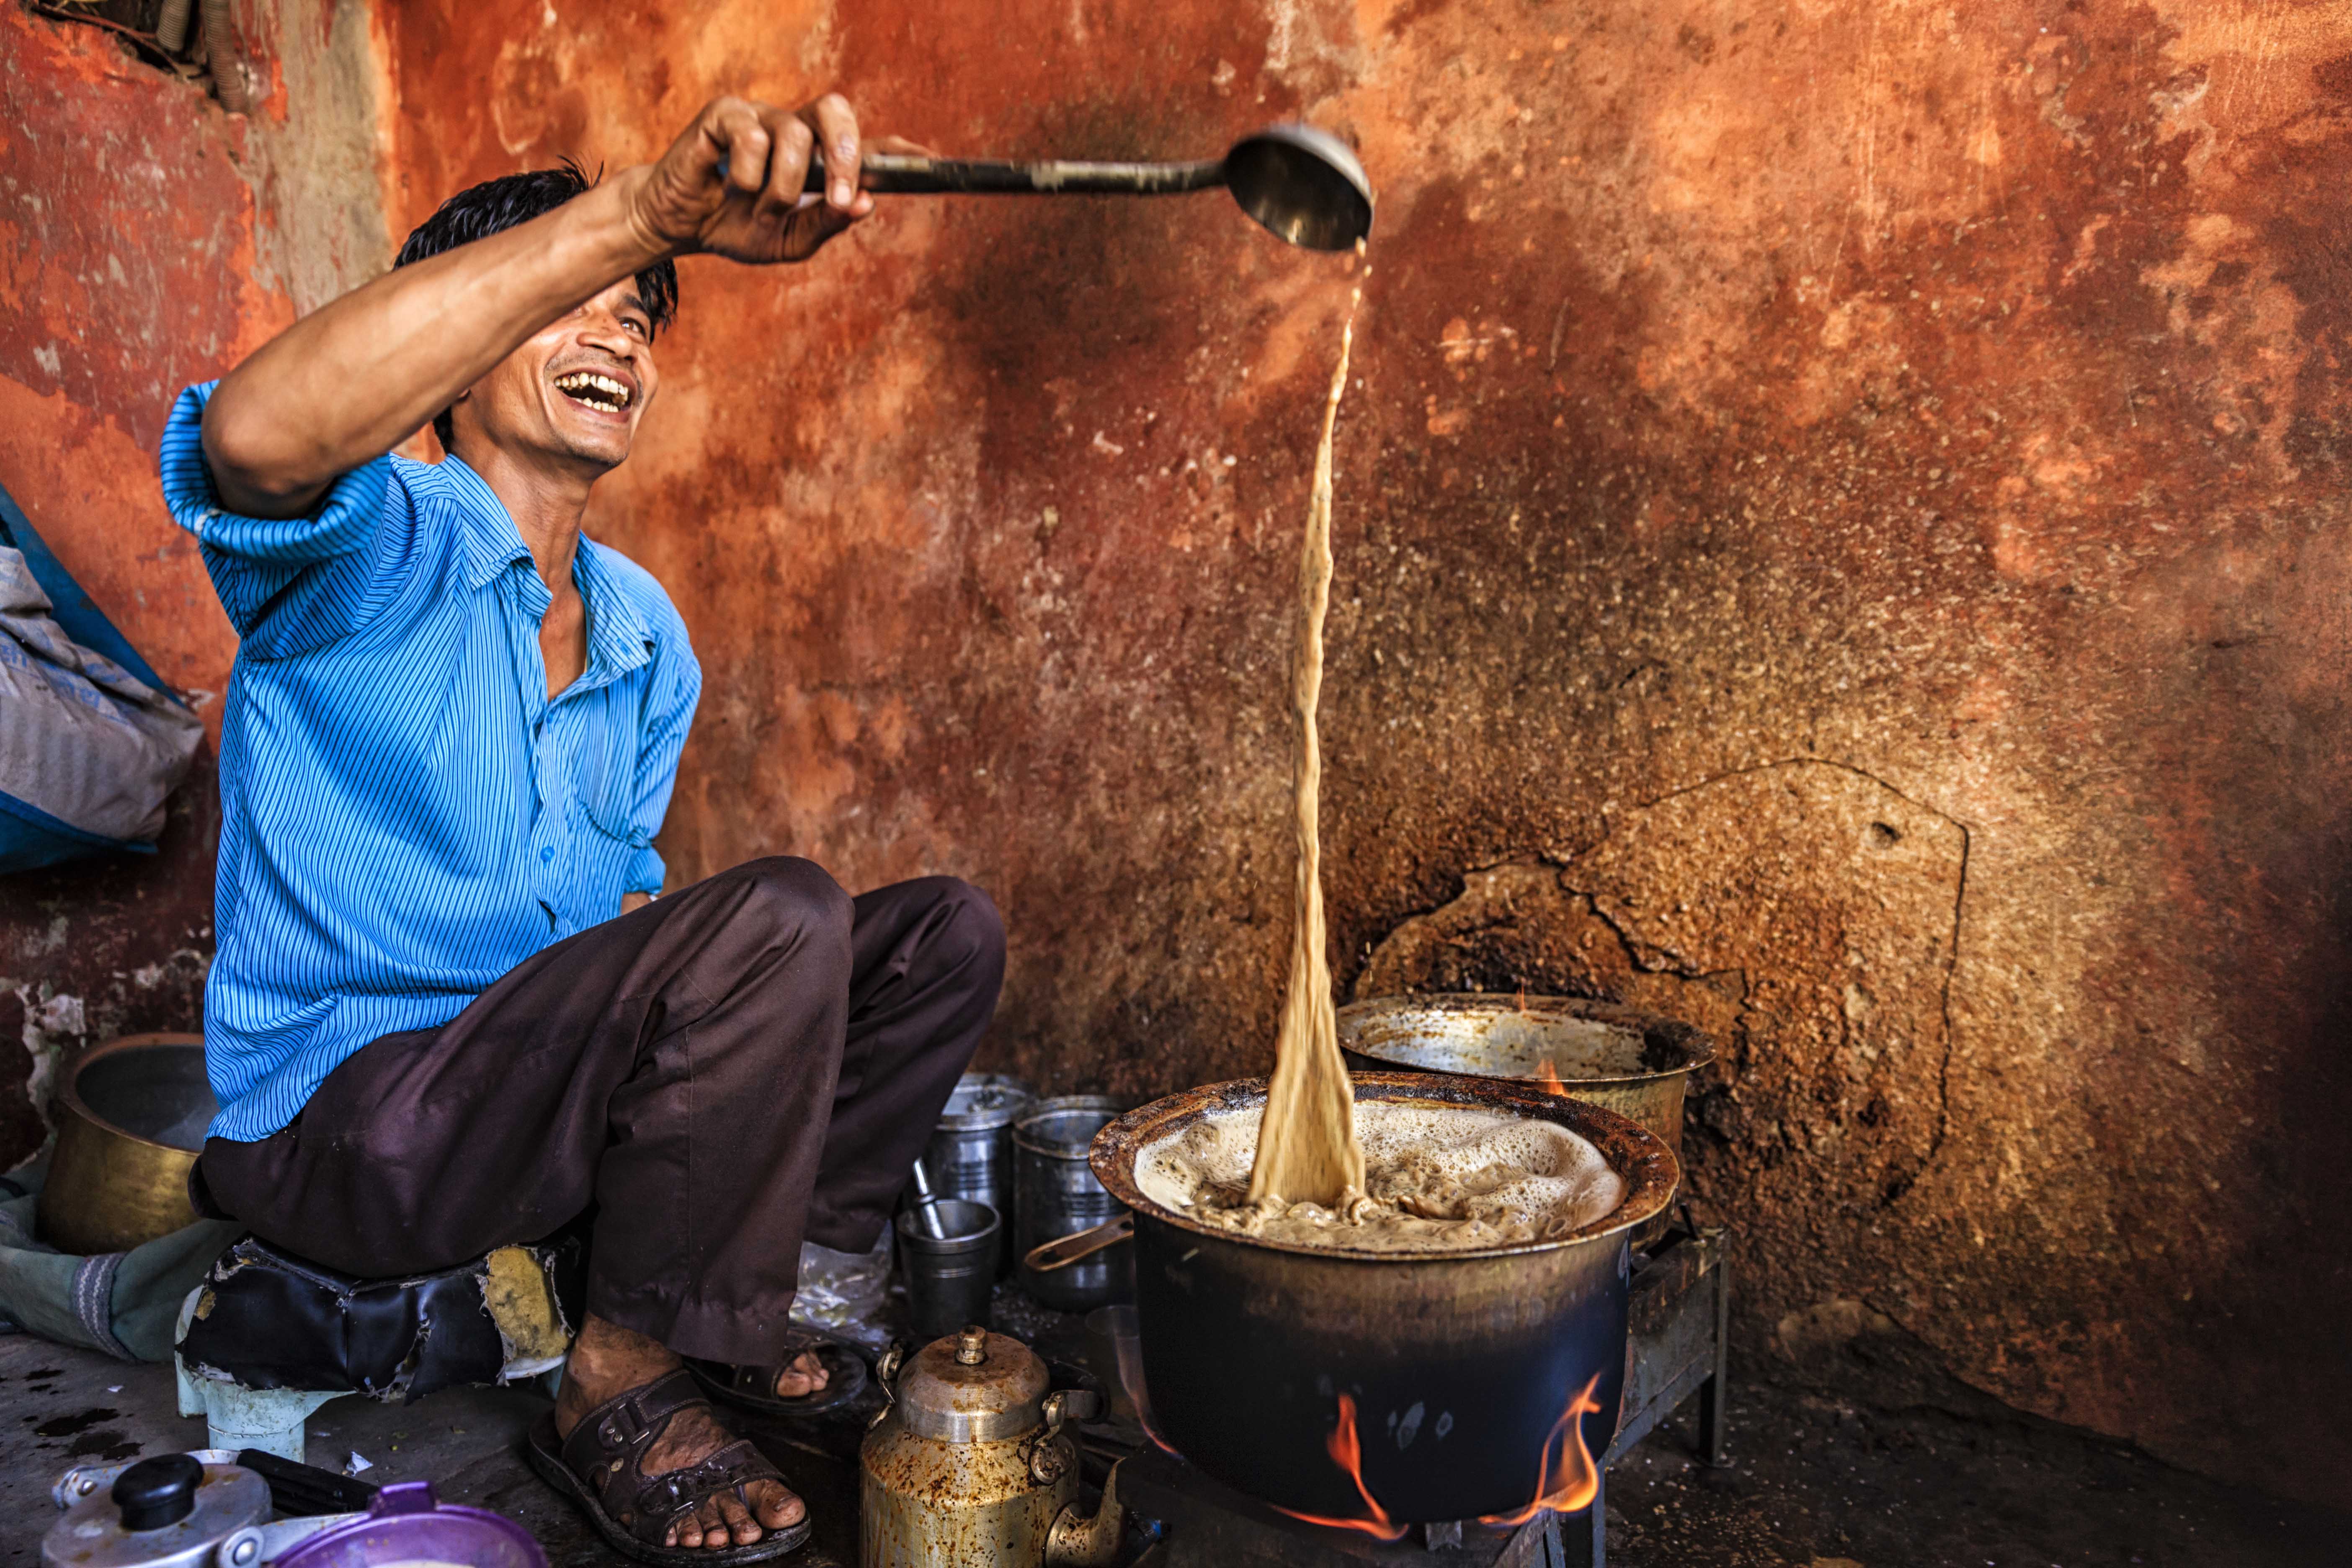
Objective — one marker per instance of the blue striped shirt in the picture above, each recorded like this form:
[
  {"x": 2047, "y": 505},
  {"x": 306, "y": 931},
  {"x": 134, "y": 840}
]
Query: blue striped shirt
[{"x": 404, "y": 814}]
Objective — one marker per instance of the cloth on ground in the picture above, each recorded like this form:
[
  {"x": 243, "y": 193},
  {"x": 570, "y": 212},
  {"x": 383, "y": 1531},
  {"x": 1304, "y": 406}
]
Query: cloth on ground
[{"x": 124, "y": 1303}]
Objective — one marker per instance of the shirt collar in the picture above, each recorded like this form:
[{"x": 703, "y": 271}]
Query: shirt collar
[
  {"x": 618, "y": 639},
  {"x": 491, "y": 542}
]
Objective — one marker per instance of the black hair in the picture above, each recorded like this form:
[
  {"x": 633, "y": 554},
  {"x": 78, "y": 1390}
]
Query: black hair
[{"x": 500, "y": 204}]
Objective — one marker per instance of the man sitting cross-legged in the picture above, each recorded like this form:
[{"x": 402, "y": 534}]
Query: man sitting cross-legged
[{"x": 445, "y": 1014}]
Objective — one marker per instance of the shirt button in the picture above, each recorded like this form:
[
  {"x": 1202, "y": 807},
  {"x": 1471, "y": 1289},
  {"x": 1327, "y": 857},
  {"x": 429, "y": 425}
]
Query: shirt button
[{"x": 547, "y": 854}]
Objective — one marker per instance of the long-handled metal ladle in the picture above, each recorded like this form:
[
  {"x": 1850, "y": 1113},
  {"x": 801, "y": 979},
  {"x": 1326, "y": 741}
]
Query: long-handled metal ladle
[{"x": 1302, "y": 184}]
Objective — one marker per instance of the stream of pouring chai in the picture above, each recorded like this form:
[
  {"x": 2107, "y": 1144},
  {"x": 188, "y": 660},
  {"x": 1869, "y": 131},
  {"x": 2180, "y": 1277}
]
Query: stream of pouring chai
[
  {"x": 1313, "y": 1167},
  {"x": 1307, "y": 1147}
]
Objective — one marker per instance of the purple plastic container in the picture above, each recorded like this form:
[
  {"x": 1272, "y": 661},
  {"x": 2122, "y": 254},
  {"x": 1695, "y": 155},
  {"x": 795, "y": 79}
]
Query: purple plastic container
[{"x": 406, "y": 1525}]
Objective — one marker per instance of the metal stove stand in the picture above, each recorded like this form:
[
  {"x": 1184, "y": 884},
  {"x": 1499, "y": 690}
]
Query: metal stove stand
[{"x": 1678, "y": 1312}]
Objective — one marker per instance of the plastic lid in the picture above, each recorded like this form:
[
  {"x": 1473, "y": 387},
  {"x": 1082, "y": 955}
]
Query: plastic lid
[{"x": 406, "y": 1525}]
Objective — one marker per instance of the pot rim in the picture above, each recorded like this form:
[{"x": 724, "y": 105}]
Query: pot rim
[
  {"x": 1696, "y": 1044},
  {"x": 70, "y": 1091},
  {"x": 1639, "y": 1156},
  {"x": 1061, "y": 1105}
]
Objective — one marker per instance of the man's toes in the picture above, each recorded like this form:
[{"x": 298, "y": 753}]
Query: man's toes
[
  {"x": 805, "y": 1375},
  {"x": 738, "y": 1519},
  {"x": 713, "y": 1524},
  {"x": 685, "y": 1532},
  {"x": 776, "y": 1507}
]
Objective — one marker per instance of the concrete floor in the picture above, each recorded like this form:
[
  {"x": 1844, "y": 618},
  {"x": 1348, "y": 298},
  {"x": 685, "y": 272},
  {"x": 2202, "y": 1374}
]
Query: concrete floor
[{"x": 1926, "y": 1476}]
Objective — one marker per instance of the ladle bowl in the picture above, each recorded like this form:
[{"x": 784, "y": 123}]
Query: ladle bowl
[{"x": 1305, "y": 185}]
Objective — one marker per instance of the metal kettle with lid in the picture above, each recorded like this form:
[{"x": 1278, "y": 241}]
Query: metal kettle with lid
[{"x": 968, "y": 1466}]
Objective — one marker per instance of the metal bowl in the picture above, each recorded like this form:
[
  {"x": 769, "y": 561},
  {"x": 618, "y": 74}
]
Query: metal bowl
[
  {"x": 131, "y": 1122},
  {"x": 1633, "y": 1062}
]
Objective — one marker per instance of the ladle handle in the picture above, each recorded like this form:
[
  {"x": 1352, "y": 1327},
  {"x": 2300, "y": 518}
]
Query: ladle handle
[
  {"x": 1062, "y": 1251},
  {"x": 913, "y": 173}
]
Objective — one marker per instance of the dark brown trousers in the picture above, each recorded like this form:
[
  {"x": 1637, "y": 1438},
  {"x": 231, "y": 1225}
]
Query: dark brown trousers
[{"x": 751, "y": 1060}]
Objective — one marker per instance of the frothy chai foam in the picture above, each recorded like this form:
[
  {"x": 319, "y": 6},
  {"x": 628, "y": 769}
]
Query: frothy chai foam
[{"x": 1436, "y": 1179}]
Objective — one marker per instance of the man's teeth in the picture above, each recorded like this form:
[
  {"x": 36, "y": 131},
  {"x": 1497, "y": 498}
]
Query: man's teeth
[{"x": 589, "y": 388}]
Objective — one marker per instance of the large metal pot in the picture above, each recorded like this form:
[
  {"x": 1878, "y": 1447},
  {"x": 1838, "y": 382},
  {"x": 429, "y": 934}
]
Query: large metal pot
[
  {"x": 131, "y": 1117},
  {"x": 1637, "y": 1064},
  {"x": 1459, "y": 1370}
]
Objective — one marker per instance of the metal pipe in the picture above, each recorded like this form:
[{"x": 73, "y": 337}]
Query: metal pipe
[
  {"x": 171, "y": 26},
  {"x": 228, "y": 65}
]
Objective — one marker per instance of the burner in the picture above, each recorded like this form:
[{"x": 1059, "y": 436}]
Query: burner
[
  {"x": 1678, "y": 1312},
  {"x": 1207, "y": 1524}
]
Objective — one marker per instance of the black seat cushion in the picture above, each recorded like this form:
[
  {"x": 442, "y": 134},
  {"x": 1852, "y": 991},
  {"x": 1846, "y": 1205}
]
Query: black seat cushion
[{"x": 267, "y": 1318}]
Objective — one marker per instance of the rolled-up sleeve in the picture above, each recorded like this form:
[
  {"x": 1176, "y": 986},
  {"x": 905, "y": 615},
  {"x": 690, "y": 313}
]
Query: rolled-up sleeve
[
  {"x": 331, "y": 559},
  {"x": 678, "y": 686}
]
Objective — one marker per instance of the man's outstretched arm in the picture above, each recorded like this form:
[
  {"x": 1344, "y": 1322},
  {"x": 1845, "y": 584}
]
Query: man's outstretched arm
[{"x": 348, "y": 383}]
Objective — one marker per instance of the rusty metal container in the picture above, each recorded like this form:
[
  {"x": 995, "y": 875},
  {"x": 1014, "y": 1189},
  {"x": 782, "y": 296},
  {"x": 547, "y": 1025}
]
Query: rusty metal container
[
  {"x": 1466, "y": 1375},
  {"x": 1637, "y": 1064},
  {"x": 968, "y": 1466},
  {"x": 131, "y": 1117}
]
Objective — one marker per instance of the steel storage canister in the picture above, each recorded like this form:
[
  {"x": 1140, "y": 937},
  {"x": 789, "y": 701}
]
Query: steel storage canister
[
  {"x": 1056, "y": 1195},
  {"x": 970, "y": 1153}
]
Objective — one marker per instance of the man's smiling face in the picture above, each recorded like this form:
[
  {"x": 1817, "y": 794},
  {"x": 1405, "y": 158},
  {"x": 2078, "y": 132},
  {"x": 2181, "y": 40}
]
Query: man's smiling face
[{"x": 574, "y": 392}]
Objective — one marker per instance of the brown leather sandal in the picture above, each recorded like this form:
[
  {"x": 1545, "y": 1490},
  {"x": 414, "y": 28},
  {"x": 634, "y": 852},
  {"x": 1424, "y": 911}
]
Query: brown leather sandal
[
  {"x": 600, "y": 1467},
  {"x": 753, "y": 1388}
]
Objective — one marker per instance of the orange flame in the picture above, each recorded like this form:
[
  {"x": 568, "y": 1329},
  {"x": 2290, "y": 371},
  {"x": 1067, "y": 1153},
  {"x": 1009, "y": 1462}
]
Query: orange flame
[
  {"x": 1549, "y": 1076},
  {"x": 1580, "y": 1477},
  {"x": 1349, "y": 1455}
]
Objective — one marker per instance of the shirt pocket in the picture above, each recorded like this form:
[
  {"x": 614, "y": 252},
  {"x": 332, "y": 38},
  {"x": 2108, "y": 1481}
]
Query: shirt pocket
[
  {"x": 608, "y": 775},
  {"x": 602, "y": 857}
]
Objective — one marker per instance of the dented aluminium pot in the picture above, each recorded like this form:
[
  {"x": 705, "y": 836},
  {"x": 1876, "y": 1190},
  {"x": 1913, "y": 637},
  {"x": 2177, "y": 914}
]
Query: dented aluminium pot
[
  {"x": 1458, "y": 1367},
  {"x": 1635, "y": 1063}
]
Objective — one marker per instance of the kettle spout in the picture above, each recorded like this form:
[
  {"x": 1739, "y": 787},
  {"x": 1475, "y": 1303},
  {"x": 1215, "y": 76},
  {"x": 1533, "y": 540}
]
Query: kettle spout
[{"x": 1077, "y": 1541}]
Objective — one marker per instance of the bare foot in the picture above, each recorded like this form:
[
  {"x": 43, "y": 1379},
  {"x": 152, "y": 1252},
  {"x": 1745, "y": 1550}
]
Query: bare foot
[
  {"x": 608, "y": 1361},
  {"x": 805, "y": 1376}
]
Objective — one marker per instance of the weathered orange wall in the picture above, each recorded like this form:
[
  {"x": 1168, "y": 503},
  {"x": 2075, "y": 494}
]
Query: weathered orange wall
[
  {"x": 1840, "y": 535},
  {"x": 147, "y": 239},
  {"x": 1842, "y": 505}
]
